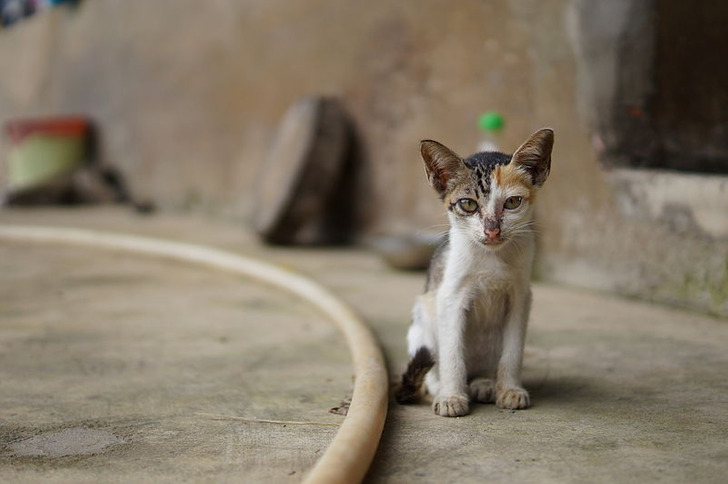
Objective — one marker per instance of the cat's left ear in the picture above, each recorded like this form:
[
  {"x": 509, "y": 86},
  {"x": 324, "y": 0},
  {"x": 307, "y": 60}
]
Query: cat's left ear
[{"x": 534, "y": 156}]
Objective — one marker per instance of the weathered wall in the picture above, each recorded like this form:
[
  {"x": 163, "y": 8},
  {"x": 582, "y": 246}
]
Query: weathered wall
[{"x": 189, "y": 95}]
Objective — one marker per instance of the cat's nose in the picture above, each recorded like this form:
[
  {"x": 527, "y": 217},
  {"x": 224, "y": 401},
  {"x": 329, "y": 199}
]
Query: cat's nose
[{"x": 492, "y": 234}]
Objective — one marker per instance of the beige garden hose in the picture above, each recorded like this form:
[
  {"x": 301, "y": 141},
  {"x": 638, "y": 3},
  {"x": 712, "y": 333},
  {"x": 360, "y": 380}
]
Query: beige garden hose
[{"x": 349, "y": 455}]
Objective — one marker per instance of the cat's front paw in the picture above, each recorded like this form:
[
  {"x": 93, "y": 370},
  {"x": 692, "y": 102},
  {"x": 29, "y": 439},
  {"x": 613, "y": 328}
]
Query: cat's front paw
[
  {"x": 513, "y": 398},
  {"x": 451, "y": 406},
  {"x": 482, "y": 390}
]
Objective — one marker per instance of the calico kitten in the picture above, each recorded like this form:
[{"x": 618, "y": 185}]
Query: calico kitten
[{"x": 468, "y": 329}]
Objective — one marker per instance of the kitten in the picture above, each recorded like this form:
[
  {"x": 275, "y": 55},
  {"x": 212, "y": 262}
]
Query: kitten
[{"x": 468, "y": 329}]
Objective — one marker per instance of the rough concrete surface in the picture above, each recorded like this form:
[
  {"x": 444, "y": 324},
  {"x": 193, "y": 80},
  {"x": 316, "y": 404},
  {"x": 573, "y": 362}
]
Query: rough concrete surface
[
  {"x": 121, "y": 353},
  {"x": 73, "y": 441}
]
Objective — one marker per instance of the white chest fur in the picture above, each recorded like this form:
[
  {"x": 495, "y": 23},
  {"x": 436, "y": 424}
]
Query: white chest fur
[{"x": 474, "y": 321}]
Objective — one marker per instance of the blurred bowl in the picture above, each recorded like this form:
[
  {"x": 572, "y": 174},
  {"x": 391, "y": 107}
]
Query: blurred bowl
[{"x": 410, "y": 252}]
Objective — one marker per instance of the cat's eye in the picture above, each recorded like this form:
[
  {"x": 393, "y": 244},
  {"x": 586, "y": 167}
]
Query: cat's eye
[
  {"x": 512, "y": 203},
  {"x": 468, "y": 205}
]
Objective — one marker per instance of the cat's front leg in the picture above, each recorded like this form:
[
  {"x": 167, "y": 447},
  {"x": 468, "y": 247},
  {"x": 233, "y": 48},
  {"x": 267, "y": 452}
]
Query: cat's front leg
[
  {"x": 509, "y": 391},
  {"x": 452, "y": 396}
]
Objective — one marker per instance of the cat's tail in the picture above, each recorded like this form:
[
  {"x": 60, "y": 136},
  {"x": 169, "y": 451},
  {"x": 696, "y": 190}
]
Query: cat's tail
[{"x": 408, "y": 389}]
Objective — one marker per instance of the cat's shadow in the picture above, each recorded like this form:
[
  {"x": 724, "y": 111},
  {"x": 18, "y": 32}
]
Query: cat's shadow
[{"x": 562, "y": 390}]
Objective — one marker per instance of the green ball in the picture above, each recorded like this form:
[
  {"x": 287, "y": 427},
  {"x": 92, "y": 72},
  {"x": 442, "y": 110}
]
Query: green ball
[{"x": 491, "y": 121}]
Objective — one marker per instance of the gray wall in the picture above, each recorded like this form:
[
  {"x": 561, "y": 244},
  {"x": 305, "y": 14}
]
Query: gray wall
[{"x": 188, "y": 95}]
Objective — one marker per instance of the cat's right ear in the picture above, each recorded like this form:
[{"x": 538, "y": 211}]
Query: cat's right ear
[{"x": 442, "y": 165}]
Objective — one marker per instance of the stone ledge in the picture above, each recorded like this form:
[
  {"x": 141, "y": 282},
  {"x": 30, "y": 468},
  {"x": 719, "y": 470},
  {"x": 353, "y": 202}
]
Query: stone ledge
[{"x": 679, "y": 201}]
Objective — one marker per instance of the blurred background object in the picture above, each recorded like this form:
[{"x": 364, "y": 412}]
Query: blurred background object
[
  {"x": 190, "y": 99},
  {"x": 56, "y": 161},
  {"x": 296, "y": 193},
  {"x": 490, "y": 124},
  {"x": 407, "y": 252},
  {"x": 44, "y": 149},
  {"x": 12, "y": 11}
]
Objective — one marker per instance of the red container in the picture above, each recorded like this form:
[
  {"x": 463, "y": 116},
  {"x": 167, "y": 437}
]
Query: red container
[
  {"x": 42, "y": 149},
  {"x": 70, "y": 126}
]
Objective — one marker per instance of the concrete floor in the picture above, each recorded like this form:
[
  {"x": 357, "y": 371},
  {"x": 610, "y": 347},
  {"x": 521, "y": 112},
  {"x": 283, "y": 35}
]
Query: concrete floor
[{"x": 108, "y": 360}]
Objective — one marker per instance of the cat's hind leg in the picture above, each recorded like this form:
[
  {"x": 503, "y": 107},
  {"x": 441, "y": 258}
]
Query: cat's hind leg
[
  {"x": 419, "y": 347},
  {"x": 432, "y": 382},
  {"x": 421, "y": 330}
]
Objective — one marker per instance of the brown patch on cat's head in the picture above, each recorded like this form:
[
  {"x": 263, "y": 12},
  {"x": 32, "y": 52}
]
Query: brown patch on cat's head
[
  {"x": 513, "y": 177},
  {"x": 498, "y": 178}
]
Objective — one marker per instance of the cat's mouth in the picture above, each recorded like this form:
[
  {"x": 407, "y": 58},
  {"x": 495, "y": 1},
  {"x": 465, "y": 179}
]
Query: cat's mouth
[{"x": 492, "y": 243}]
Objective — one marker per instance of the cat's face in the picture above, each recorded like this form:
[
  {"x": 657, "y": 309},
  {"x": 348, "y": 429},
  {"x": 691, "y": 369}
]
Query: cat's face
[
  {"x": 493, "y": 204},
  {"x": 490, "y": 196}
]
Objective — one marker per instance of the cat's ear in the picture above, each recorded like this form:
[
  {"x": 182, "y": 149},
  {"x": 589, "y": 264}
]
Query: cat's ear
[
  {"x": 442, "y": 165},
  {"x": 534, "y": 156}
]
